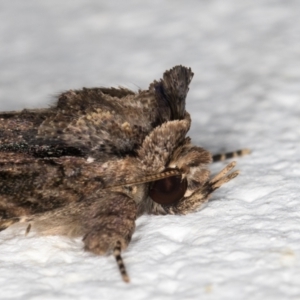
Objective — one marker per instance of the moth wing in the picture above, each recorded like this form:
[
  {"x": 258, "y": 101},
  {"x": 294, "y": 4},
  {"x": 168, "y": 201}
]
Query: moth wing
[
  {"x": 31, "y": 185},
  {"x": 104, "y": 123}
]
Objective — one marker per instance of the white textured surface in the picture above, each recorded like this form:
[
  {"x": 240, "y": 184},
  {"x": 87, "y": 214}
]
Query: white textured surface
[{"x": 245, "y": 93}]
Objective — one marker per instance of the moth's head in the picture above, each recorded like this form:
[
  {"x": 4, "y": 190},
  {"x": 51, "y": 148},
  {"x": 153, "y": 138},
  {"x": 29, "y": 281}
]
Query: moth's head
[
  {"x": 188, "y": 187},
  {"x": 182, "y": 181}
]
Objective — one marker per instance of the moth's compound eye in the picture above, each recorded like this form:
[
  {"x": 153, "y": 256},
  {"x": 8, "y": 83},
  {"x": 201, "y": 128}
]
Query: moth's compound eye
[{"x": 168, "y": 190}]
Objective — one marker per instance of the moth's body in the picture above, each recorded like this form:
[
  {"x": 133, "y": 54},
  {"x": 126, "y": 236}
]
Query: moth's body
[{"x": 99, "y": 158}]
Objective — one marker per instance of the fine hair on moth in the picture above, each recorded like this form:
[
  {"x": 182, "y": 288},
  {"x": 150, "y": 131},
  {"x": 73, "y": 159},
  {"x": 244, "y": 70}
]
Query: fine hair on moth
[{"x": 99, "y": 158}]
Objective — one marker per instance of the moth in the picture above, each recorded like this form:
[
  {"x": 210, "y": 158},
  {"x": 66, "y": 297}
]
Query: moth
[{"x": 99, "y": 158}]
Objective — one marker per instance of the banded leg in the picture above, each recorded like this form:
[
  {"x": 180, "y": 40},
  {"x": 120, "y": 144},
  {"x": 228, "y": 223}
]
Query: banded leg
[
  {"x": 228, "y": 155},
  {"x": 119, "y": 259},
  {"x": 109, "y": 223}
]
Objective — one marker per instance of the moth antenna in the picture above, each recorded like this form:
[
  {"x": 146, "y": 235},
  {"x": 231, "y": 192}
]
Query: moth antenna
[
  {"x": 222, "y": 178},
  {"x": 118, "y": 257},
  {"x": 228, "y": 155},
  {"x": 8, "y": 222},
  {"x": 28, "y": 229},
  {"x": 149, "y": 178}
]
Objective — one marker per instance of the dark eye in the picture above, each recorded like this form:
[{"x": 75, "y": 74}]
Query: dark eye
[{"x": 168, "y": 190}]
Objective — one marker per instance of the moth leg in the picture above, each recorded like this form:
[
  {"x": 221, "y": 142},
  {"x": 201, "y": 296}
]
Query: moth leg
[
  {"x": 119, "y": 259},
  {"x": 228, "y": 155},
  {"x": 28, "y": 229},
  {"x": 109, "y": 226}
]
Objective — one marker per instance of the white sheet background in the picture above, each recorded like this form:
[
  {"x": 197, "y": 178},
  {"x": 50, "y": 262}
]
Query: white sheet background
[{"x": 245, "y": 93}]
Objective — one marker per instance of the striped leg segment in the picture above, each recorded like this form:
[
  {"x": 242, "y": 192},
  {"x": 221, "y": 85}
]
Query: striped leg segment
[
  {"x": 228, "y": 155},
  {"x": 117, "y": 255}
]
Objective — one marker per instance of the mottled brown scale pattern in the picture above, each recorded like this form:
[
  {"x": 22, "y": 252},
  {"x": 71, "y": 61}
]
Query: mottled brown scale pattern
[{"x": 99, "y": 158}]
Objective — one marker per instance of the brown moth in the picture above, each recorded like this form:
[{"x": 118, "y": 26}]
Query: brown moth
[{"x": 100, "y": 158}]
